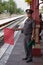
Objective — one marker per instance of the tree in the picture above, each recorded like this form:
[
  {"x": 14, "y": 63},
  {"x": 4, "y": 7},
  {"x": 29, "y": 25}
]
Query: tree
[
  {"x": 1, "y": 7},
  {"x": 20, "y": 11},
  {"x": 5, "y": 5},
  {"x": 0, "y": 1},
  {"x": 12, "y": 6}
]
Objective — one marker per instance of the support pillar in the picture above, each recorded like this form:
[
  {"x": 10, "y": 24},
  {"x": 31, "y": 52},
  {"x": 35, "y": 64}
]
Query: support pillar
[{"x": 34, "y": 6}]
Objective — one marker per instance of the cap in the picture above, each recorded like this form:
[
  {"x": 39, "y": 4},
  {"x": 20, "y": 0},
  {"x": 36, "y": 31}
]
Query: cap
[{"x": 29, "y": 11}]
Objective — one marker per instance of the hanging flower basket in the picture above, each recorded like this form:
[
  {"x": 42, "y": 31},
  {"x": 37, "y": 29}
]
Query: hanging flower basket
[{"x": 28, "y": 1}]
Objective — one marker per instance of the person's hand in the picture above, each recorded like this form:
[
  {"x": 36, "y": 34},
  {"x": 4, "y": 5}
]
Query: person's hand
[{"x": 32, "y": 38}]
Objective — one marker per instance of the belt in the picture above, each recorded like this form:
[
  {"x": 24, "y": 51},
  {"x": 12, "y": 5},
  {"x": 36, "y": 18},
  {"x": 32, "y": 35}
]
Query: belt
[{"x": 28, "y": 34}]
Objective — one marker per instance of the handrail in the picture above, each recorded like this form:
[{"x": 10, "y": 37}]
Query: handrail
[{"x": 9, "y": 20}]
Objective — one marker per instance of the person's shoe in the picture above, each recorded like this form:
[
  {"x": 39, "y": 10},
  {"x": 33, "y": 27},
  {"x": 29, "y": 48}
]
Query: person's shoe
[
  {"x": 30, "y": 60},
  {"x": 25, "y": 58}
]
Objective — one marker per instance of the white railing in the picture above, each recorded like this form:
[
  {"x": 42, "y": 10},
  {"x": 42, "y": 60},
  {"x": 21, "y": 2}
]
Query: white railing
[
  {"x": 8, "y": 22},
  {"x": 9, "y": 19}
]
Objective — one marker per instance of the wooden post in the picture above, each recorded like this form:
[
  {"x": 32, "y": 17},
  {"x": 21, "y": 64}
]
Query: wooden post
[{"x": 34, "y": 6}]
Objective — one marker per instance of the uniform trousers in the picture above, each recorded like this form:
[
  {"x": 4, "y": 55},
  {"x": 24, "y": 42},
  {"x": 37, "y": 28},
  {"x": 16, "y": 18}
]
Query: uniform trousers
[{"x": 28, "y": 51}]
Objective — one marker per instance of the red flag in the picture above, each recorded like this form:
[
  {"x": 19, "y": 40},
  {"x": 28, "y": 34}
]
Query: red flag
[{"x": 9, "y": 36}]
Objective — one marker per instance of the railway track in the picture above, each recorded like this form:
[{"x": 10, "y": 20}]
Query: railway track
[{"x": 11, "y": 24}]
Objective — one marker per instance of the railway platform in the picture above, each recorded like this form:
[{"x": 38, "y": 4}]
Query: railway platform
[{"x": 18, "y": 53}]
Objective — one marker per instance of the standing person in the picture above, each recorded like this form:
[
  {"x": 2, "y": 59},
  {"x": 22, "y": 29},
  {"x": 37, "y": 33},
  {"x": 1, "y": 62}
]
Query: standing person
[
  {"x": 29, "y": 29},
  {"x": 41, "y": 24}
]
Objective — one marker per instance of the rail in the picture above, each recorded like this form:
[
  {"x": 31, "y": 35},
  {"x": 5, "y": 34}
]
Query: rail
[{"x": 8, "y": 22}]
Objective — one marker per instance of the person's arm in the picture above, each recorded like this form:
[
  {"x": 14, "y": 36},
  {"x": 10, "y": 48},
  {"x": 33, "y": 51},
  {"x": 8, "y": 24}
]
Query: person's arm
[
  {"x": 41, "y": 33},
  {"x": 33, "y": 30},
  {"x": 17, "y": 29},
  {"x": 33, "y": 33}
]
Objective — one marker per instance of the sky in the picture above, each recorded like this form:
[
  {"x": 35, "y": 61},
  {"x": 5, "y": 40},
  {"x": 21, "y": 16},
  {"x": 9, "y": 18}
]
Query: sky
[{"x": 22, "y": 4}]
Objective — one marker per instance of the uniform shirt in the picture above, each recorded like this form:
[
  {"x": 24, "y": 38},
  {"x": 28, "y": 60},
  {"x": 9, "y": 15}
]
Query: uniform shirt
[{"x": 28, "y": 26}]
